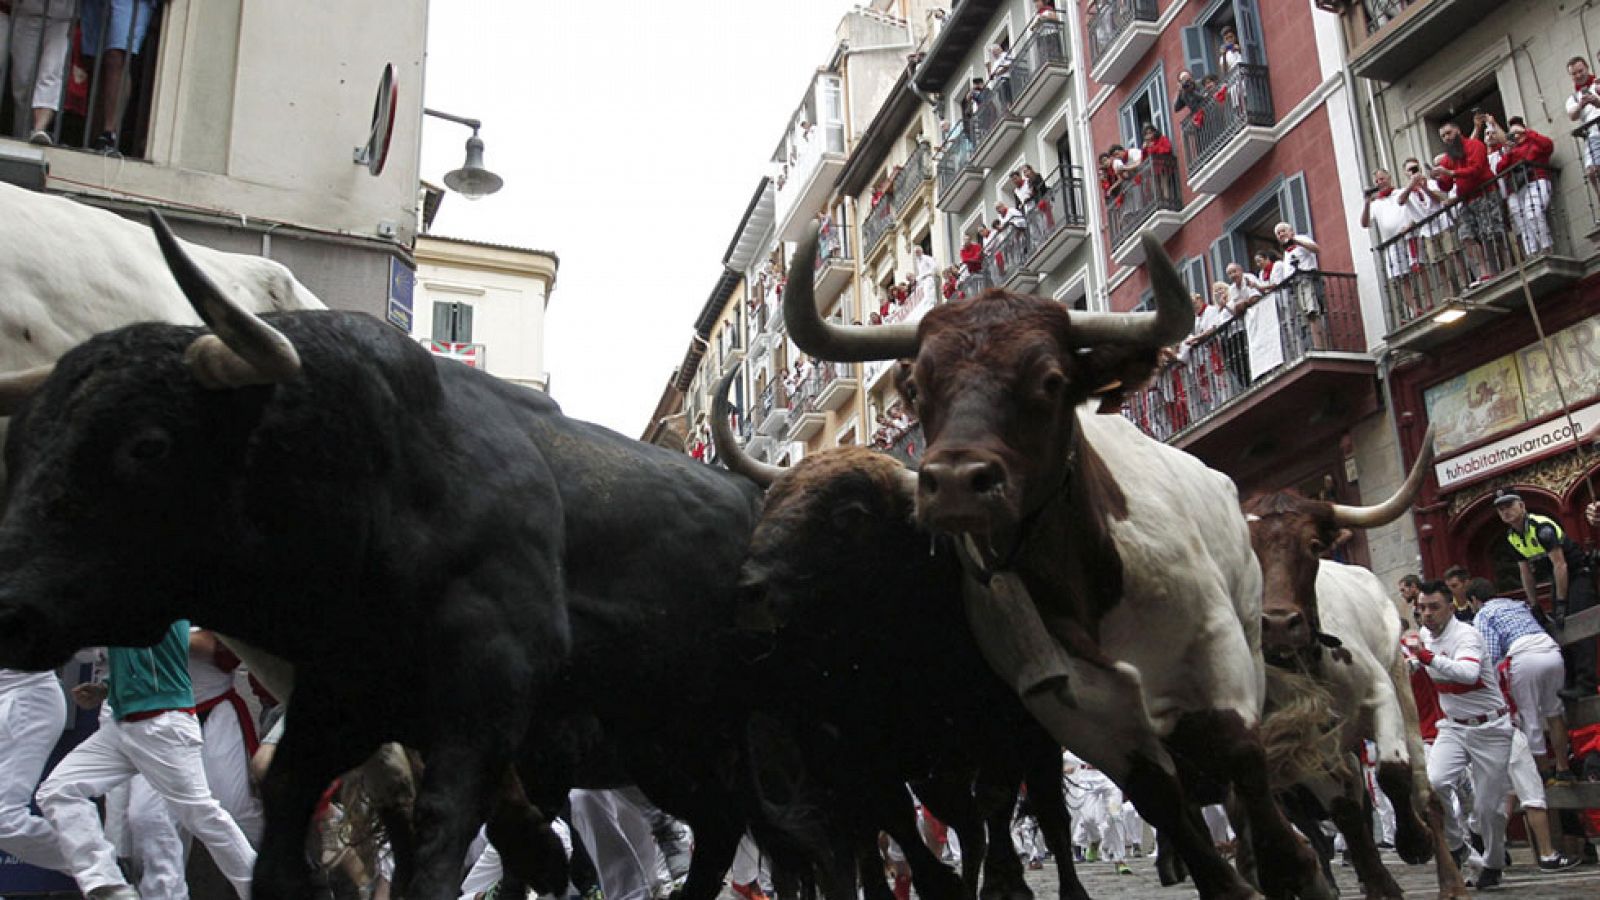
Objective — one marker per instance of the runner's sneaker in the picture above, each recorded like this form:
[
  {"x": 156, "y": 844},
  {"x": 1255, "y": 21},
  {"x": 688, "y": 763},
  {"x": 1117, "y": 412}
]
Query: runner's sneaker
[
  {"x": 1122, "y": 869},
  {"x": 1557, "y": 863}
]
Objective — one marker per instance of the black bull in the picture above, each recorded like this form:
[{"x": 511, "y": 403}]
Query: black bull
[{"x": 446, "y": 559}]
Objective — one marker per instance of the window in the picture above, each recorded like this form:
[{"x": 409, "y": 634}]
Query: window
[
  {"x": 452, "y": 322},
  {"x": 1202, "y": 41},
  {"x": 1251, "y": 229},
  {"x": 1147, "y": 301},
  {"x": 1193, "y": 271},
  {"x": 1146, "y": 106},
  {"x": 1460, "y": 107}
]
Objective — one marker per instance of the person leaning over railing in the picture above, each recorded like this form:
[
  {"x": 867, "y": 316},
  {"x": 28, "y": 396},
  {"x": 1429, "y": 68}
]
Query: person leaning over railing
[
  {"x": 1389, "y": 212},
  {"x": 1305, "y": 276},
  {"x": 1528, "y": 189},
  {"x": 1583, "y": 106}
]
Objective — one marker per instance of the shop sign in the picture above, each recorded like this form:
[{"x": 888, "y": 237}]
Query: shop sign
[{"x": 1517, "y": 450}]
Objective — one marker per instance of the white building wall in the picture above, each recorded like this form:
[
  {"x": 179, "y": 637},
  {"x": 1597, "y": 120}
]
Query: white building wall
[{"x": 508, "y": 306}]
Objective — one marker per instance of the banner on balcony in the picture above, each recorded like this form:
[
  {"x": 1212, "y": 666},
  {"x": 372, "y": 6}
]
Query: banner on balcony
[
  {"x": 1517, "y": 450},
  {"x": 1512, "y": 389},
  {"x": 470, "y": 354}
]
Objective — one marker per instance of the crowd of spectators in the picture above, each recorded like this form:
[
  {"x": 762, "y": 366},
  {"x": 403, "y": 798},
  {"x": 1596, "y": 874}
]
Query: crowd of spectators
[
  {"x": 1446, "y": 228},
  {"x": 892, "y": 424}
]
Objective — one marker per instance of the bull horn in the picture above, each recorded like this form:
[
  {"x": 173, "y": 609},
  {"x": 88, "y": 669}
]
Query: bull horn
[
  {"x": 242, "y": 349},
  {"x": 728, "y": 449},
  {"x": 1390, "y": 509},
  {"x": 825, "y": 340},
  {"x": 1172, "y": 321},
  {"x": 15, "y": 387}
]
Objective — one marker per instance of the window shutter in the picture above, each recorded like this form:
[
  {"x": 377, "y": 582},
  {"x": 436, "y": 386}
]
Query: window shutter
[
  {"x": 463, "y": 333},
  {"x": 1247, "y": 19},
  {"x": 1193, "y": 271},
  {"x": 1147, "y": 301},
  {"x": 1196, "y": 56},
  {"x": 1296, "y": 203},
  {"x": 1160, "y": 112},
  {"x": 1130, "y": 125},
  {"x": 441, "y": 321}
]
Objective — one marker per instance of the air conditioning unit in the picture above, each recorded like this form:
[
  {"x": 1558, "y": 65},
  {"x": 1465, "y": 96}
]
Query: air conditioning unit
[{"x": 1334, "y": 6}]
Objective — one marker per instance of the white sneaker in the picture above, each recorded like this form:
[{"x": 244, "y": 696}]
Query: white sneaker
[{"x": 41, "y": 137}]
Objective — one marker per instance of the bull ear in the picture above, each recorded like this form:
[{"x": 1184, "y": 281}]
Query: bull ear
[
  {"x": 17, "y": 387},
  {"x": 1116, "y": 372}
]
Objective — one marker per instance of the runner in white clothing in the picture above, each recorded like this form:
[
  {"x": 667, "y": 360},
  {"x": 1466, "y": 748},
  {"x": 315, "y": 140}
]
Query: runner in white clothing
[
  {"x": 32, "y": 713},
  {"x": 1475, "y": 733}
]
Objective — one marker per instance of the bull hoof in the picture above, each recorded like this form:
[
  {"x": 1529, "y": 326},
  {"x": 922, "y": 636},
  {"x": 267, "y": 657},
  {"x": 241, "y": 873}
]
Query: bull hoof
[
  {"x": 1414, "y": 846},
  {"x": 1170, "y": 869}
]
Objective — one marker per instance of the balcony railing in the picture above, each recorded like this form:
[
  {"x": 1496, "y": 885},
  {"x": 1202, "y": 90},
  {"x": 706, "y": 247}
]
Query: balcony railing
[
  {"x": 992, "y": 109},
  {"x": 1467, "y": 245},
  {"x": 1316, "y": 311},
  {"x": 1010, "y": 254},
  {"x": 1382, "y": 12},
  {"x": 918, "y": 302},
  {"x": 1060, "y": 206},
  {"x": 36, "y": 63},
  {"x": 954, "y": 158},
  {"x": 1046, "y": 44},
  {"x": 877, "y": 223},
  {"x": 907, "y": 445},
  {"x": 1587, "y": 137},
  {"x": 1151, "y": 186},
  {"x": 833, "y": 243},
  {"x": 911, "y": 176},
  {"x": 1112, "y": 17},
  {"x": 971, "y": 284},
  {"x": 1247, "y": 101}
]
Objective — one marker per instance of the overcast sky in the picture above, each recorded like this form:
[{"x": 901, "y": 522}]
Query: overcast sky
[{"x": 631, "y": 137}]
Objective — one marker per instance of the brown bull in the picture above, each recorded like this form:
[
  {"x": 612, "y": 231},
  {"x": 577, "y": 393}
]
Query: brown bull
[{"x": 1112, "y": 579}]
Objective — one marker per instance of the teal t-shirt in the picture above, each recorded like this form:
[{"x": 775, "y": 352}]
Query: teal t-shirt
[{"x": 150, "y": 679}]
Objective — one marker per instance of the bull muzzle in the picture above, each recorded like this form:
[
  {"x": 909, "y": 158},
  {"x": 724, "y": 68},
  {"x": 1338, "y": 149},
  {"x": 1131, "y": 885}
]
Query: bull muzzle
[
  {"x": 1285, "y": 633},
  {"x": 964, "y": 491}
]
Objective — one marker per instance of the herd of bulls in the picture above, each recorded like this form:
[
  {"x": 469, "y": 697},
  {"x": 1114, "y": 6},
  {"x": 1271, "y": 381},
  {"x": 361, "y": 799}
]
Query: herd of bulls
[{"x": 534, "y": 603}]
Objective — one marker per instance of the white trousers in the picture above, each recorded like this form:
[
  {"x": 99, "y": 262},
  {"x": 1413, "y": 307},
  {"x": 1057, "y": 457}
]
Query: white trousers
[
  {"x": 1101, "y": 817},
  {"x": 748, "y": 864},
  {"x": 153, "y": 825},
  {"x": 166, "y": 751},
  {"x": 1526, "y": 782},
  {"x": 38, "y": 44},
  {"x": 31, "y": 715},
  {"x": 1529, "y": 205},
  {"x": 619, "y": 841},
  {"x": 1484, "y": 751}
]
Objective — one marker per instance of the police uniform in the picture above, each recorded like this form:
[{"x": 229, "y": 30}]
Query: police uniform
[{"x": 1532, "y": 544}]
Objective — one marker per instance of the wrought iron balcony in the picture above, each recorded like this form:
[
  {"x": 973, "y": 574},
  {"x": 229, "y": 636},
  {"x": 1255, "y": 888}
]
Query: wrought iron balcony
[
  {"x": 833, "y": 267},
  {"x": 907, "y": 446},
  {"x": 1056, "y": 220},
  {"x": 1149, "y": 195},
  {"x": 1318, "y": 314},
  {"x": 772, "y": 409},
  {"x": 995, "y": 127},
  {"x": 915, "y": 173},
  {"x": 1120, "y": 31},
  {"x": 1008, "y": 264},
  {"x": 1464, "y": 257},
  {"x": 1040, "y": 67},
  {"x": 1226, "y": 136},
  {"x": 1402, "y": 34},
  {"x": 959, "y": 180},
  {"x": 878, "y": 222}
]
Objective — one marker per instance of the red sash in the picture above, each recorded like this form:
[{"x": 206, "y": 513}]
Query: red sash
[{"x": 241, "y": 711}]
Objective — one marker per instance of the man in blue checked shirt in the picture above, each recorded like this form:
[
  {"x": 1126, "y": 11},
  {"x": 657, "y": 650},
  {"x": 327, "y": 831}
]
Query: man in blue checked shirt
[{"x": 1534, "y": 671}]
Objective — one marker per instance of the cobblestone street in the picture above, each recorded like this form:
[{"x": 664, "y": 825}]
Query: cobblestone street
[{"x": 1522, "y": 881}]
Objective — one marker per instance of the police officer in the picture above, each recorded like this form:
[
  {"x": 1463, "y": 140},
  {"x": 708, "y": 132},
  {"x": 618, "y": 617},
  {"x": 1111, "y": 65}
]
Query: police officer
[{"x": 1544, "y": 551}]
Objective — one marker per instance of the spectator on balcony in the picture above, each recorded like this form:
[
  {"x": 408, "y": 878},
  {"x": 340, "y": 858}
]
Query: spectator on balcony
[
  {"x": 880, "y": 190},
  {"x": 1035, "y": 182},
  {"x": 972, "y": 250},
  {"x": 1228, "y": 328},
  {"x": 1021, "y": 191},
  {"x": 1388, "y": 211},
  {"x": 926, "y": 272},
  {"x": 1155, "y": 143},
  {"x": 1191, "y": 98},
  {"x": 1466, "y": 162},
  {"x": 113, "y": 30},
  {"x": 1300, "y": 256},
  {"x": 875, "y": 319},
  {"x": 1010, "y": 216},
  {"x": 1044, "y": 11},
  {"x": 1203, "y": 351},
  {"x": 1530, "y": 188},
  {"x": 1230, "y": 54},
  {"x": 1583, "y": 106},
  {"x": 1125, "y": 162},
  {"x": 1254, "y": 300},
  {"x": 1000, "y": 70},
  {"x": 41, "y": 33},
  {"x": 1437, "y": 244}
]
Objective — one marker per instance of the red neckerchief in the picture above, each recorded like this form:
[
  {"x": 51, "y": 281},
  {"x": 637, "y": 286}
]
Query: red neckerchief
[
  {"x": 1384, "y": 194},
  {"x": 1579, "y": 88}
]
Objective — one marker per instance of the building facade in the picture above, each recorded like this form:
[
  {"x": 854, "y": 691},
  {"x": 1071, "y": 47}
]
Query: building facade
[
  {"x": 260, "y": 164},
  {"x": 1461, "y": 326},
  {"x": 484, "y": 304}
]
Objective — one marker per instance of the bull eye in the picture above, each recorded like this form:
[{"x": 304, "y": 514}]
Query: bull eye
[
  {"x": 908, "y": 390},
  {"x": 1317, "y": 547},
  {"x": 148, "y": 446}
]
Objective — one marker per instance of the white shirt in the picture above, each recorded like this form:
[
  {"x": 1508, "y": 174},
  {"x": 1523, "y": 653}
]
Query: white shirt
[
  {"x": 1575, "y": 102},
  {"x": 1390, "y": 216},
  {"x": 1298, "y": 258},
  {"x": 1462, "y": 672}
]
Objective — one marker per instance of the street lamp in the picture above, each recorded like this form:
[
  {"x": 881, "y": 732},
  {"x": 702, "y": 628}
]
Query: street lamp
[{"x": 472, "y": 180}]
